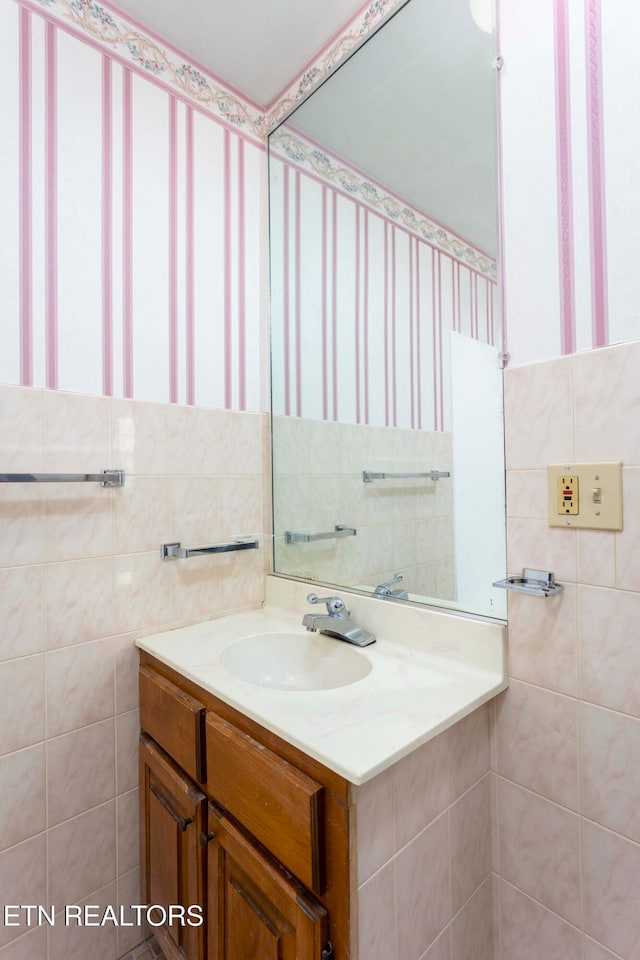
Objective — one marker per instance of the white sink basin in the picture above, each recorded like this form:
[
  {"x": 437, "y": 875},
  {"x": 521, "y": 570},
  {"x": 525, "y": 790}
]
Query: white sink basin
[{"x": 294, "y": 661}]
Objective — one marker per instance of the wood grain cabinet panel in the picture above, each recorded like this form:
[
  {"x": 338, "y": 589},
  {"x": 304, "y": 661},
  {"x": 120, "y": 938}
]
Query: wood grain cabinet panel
[
  {"x": 175, "y": 720},
  {"x": 173, "y": 815},
  {"x": 281, "y": 806},
  {"x": 257, "y": 911}
]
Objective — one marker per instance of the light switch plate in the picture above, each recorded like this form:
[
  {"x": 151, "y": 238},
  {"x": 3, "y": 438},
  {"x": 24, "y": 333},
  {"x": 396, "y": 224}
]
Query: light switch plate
[{"x": 598, "y": 487}]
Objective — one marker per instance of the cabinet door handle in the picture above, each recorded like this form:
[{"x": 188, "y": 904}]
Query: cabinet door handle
[
  {"x": 183, "y": 822},
  {"x": 328, "y": 953},
  {"x": 206, "y": 838}
]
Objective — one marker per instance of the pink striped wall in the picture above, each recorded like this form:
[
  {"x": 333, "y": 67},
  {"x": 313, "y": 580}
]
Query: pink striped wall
[
  {"x": 569, "y": 194},
  {"x": 139, "y": 221},
  {"x": 362, "y": 309}
]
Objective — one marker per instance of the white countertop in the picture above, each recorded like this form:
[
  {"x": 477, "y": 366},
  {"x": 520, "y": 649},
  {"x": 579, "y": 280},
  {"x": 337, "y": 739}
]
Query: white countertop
[{"x": 428, "y": 670}]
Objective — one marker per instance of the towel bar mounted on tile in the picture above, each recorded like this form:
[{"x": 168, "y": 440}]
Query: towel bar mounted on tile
[
  {"x": 537, "y": 583},
  {"x": 173, "y": 551},
  {"x": 107, "y": 478},
  {"x": 339, "y": 531},
  {"x": 368, "y": 476}
]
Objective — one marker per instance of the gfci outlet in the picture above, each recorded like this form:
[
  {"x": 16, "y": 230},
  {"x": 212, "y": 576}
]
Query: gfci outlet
[{"x": 585, "y": 495}]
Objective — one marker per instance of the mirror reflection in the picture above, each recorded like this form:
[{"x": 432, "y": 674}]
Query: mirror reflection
[{"x": 388, "y": 471}]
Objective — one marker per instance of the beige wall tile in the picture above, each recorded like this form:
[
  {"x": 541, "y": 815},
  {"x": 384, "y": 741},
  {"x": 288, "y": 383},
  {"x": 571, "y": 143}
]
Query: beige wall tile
[
  {"x": 129, "y": 892},
  {"x": 423, "y": 902},
  {"x": 80, "y": 686},
  {"x": 420, "y": 789},
  {"x": 22, "y": 705},
  {"x": 530, "y": 932},
  {"x": 543, "y": 640},
  {"x": 127, "y": 659},
  {"x": 127, "y": 734},
  {"x": 538, "y": 742},
  {"x": 22, "y": 811},
  {"x": 20, "y": 429},
  {"x": 23, "y": 880},
  {"x": 540, "y": 849},
  {"x": 77, "y": 433},
  {"x": 609, "y": 627},
  {"x": 468, "y": 751},
  {"x": 140, "y": 438},
  {"x": 441, "y": 948},
  {"x": 78, "y": 521},
  {"x": 377, "y": 918},
  {"x": 143, "y": 517},
  {"x": 143, "y": 591},
  {"x": 74, "y": 942},
  {"x": 21, "y": 524},
  {"x": 610, "y": 766},
  {"x": 606, "y": 381},
  {"x": 611, "y": 867},
  {"x": 375, "y": 824},
  {"x": 21, "y": 611},
  {"x": 596, "y": 557},
  {"x": 128, "y": 831},
  {"x": 527, "y": 493},
  {"x": 472, "y": 927},
  {"x": 533, "y": 543},
  {"x": 470, "y": 838},
  {"x": 628, "y": 540},
  {"x": 593, "y": 951},
  {"x": 548, "y": 437},
  {"x": 78, "y": 601},
  {"x": 30, "y": 946},
  {"x": 80, "y": 771},
  {"x": 82, "y": 854}
]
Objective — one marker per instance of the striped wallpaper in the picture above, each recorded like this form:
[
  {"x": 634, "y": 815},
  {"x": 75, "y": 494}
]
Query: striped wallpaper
[
  {"x": 132, "y": 230},
  {"x": 571, "y": 195},
  {"x": 363, "y": 306},
  {"x": 132, "y": 209}
]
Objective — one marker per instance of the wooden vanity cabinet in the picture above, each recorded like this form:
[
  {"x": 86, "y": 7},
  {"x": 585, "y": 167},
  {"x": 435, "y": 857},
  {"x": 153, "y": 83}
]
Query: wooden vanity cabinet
[
  {"x": 173, "y": 815},
  {"x": 255, "y": 908},
  {"x": 262, "y": 843}
]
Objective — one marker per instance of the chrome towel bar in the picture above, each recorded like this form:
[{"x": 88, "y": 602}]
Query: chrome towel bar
[
  {"x": 368, "y": 475},
  {"x": 173, "y": 551},
  {"x": 107, "y": 478},
  {"x": 341, "y": 530}
]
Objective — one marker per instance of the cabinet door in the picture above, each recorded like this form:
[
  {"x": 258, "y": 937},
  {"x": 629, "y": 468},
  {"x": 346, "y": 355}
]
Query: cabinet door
[
  {"x": 256, "y": 909},
  {"x": 173, "y": 814}
]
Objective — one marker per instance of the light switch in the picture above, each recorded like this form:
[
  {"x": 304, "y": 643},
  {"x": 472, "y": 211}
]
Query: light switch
[{"x": 585, "y": 495}]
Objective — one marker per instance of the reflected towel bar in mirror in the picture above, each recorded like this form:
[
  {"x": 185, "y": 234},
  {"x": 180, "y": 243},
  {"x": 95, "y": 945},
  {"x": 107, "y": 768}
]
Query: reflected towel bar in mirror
[
  {"x": 107, "y": 478},
  {"x": 341, "y": 530},
  {"x": 537, "y": 583},
  {"x": 173, "y": 551},
  {"x": 368, "y": 475}
]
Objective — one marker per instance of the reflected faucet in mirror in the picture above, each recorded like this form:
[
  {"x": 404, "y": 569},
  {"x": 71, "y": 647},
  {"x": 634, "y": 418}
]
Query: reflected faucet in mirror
[
  {"x": 384, "y": 589},
  {"x": 336, "y": 622}
]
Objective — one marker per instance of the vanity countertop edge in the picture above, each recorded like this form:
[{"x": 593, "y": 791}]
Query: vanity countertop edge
[{"x": 428, "y": 671}]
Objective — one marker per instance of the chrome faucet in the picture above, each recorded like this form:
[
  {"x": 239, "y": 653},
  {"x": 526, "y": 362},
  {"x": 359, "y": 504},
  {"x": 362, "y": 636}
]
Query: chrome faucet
[
  {"x": 384, "y": 589},
  {"x": 336, "y": 622}
]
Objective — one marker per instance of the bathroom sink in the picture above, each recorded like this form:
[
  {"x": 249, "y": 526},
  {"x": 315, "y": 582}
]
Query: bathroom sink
[{"x": 294, "y": 661}]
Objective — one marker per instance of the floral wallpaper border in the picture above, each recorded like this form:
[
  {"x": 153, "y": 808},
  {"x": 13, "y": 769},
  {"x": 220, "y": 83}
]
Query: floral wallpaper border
[
  {"x": 307, "y": 156},
  {"x": 110, "y": 30}
]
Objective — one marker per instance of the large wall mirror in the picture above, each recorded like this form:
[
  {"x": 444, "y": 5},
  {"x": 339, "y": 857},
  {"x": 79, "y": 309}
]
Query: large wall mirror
[{"x": 388, "y": 459}]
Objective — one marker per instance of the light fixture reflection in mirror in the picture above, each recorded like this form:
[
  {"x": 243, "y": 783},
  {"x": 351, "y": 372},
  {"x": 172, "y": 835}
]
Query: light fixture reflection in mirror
[{"x": 386, "y": 323}]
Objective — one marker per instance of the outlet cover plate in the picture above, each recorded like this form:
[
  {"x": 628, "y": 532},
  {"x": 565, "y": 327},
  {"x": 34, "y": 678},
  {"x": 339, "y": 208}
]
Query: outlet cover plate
[{"x": 599, "y": 493}]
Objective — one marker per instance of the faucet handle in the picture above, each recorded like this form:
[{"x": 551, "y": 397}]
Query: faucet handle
[
  {"x": 388, "y": 583},
  {"x": 335, "y": 605}
]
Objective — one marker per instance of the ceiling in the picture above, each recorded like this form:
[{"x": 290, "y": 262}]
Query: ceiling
[{"x": 255, "y": 46}]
